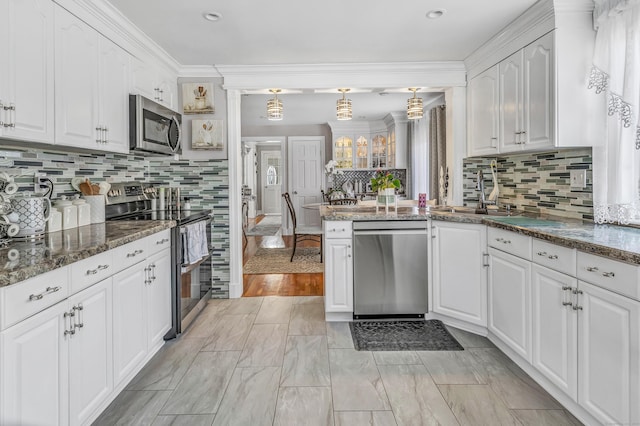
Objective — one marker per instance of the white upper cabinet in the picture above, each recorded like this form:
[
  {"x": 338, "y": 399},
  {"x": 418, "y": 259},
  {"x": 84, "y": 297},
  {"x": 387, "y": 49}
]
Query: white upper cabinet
[
  {"x": 483, "y": 105},
  {"x": 92, "y": 86},
  {"x": 26, "y": 70},
  {"x": 510, "y": 116},
  {"x": 158, "y": 85}
]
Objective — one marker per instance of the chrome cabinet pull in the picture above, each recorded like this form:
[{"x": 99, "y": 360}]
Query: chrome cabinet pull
[
  {"x": 95, "y": 271},
  {"x": 503, "y": 241},
  {"x": 153, "y": 267},
  {"x": 71, "y": 330},
  {"x": 577, "y": 308},
  {"x": 48, "y": 290},
  {"x": 608, "y": 274},
  {"x": 592, "y": 269},
  {"x": 148, "y": 279},
  {"x": 162, "y": 241},
  {"x": 11, "y": 115},
  {"x": 553, "y": 256},
  {"x": 99, "y": 134},
  {"x": 542, "y": 253},
  {"x": 105, "y": 136},
  {"x": 135, "y": 253},
  {"x": 566, "y": 288},
  {"x": 485, "y": 259},
  {"x": 80, "y": 322}
]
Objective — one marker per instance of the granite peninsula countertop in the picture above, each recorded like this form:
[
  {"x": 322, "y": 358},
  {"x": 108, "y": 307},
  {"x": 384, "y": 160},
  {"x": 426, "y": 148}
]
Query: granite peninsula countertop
[
  {"x": 612, "y": 241},
  {"x": 21, "y": 260}
]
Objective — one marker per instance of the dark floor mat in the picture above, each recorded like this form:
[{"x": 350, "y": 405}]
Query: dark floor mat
[{"x": 430, "y": 335}]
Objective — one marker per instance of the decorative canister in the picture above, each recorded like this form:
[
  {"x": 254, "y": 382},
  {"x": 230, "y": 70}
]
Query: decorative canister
[
  {"x": 69, "y": 213},
  {"x": 54, "y": 223},
  {"x": 84, "y": 211},
  {"x": 97, "y": 205},
  {"x": 32, "y": 212}
]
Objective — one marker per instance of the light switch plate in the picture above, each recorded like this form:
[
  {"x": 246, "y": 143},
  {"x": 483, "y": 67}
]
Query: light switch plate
[{"x": 578, "y": 179}]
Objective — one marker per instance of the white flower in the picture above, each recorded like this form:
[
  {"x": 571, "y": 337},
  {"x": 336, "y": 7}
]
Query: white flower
[{"x": 330, "y": 168}]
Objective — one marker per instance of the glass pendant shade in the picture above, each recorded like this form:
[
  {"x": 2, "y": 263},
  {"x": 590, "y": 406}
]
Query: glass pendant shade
[
  {"x": 414, "y": 107},
  {"x": 343, "y": 107},
  {"x": 274, "y": 106}
]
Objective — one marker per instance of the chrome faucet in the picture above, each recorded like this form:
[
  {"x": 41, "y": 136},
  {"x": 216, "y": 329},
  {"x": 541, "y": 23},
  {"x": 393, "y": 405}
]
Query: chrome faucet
[{"x": 482, "y": 202}]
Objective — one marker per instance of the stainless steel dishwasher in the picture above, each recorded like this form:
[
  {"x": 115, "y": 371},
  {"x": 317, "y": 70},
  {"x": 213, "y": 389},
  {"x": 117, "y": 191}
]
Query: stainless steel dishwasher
[{"x": 390, "y": 269}]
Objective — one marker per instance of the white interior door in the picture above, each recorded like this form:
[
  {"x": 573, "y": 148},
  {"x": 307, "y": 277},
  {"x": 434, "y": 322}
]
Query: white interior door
[
  {"x": 271, "y": 169},
  {"x": 307, "y": 160}
]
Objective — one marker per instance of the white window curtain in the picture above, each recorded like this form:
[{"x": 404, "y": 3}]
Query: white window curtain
[
  {"x": 418, "y": 155},
  {"x": 616, "y": 73}
]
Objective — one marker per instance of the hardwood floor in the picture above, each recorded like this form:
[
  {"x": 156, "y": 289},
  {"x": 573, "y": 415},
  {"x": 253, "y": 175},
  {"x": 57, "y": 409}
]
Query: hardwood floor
[{"x": 278, "y": 284}]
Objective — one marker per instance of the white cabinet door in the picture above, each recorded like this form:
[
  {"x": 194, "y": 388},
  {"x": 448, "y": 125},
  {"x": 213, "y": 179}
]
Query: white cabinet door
[
  {"x": 538, "y": 106},
  {"x": 511, "y": 120},
  {"x": 76, "y": 80},
  {"x": 483, "y": 101},
  {"x": 114, "y": 96},
  {"x": 555, "y": 328},
  {"x": 26, "y": 70},
  {"x": 143, "y": 79},
  {"x": 168, "y": 90},
  {"x": 34, "y": 370},
  {"x": 158, "y": 297},
  {"x": 338, "y": 275},
  {"x": 509, "y": 296},
  {"x": 459, "y": 292},
  {"x": 608, "y": 361},
  {"x": 90, "y": 351},
  {"x": 129, "y": 321}
]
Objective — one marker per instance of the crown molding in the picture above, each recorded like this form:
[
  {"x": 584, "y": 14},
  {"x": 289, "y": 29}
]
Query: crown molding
[
  {"x": 203, "y": 71},
  {"x": 328, "y": 76},
  {"x": 111, "y": 23}
]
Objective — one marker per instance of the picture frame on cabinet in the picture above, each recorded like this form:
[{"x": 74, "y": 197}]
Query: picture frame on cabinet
[
  {"x": 197, "y": 98},
  {"x": 207, "y": 134}
]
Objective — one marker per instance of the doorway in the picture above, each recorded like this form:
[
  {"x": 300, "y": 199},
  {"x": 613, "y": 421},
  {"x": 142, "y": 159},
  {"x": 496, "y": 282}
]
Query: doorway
[{"x": 271, "y": 176}]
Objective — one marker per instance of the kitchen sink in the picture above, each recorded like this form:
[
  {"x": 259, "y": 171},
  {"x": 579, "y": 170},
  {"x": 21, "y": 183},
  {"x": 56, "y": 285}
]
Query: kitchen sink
[{"x": 473, "y": 210}]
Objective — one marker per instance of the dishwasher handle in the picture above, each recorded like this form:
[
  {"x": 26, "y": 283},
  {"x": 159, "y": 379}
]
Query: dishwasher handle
[{"x": 392, "y": 232}]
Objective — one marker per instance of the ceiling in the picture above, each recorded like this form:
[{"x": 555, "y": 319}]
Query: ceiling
[{"x": 254, "y": 32}]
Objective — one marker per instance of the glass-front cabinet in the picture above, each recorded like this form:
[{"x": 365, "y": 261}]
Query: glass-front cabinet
[{"x": 361, "y": 145}]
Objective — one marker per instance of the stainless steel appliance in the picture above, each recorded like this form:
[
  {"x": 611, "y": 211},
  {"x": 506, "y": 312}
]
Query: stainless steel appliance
[
  {"x": 191, "y": 281},
  {"x": 390, "y": 269},
  {"x": 153, "y": 128}
]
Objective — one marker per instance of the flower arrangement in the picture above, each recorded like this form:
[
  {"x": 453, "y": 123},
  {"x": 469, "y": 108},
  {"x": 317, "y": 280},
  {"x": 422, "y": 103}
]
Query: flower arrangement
[{"x": 384, "y": 180}]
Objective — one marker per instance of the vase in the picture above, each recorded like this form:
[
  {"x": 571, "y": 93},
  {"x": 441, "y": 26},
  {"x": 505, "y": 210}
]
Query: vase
[{"x": 386, "y": 196}]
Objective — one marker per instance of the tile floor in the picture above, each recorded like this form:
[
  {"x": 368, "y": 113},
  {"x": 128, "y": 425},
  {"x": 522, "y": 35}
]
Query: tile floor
[{"x": 275, "y": 361}]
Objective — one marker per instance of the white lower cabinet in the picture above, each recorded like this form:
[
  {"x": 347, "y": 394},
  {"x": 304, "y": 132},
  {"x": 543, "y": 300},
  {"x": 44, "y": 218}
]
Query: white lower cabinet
[
  {"x": 459, "y": 292},
  {"x": 129, "y": 326},
  {"x": 34, "y": 370},
  {"x": 509, "y": 301},
  {"x": 90, "y": 355},
  {"x": 338, "y": 266},
  {"x": 608, "y": 360},
  {"x": 56, "y": 365},
  {"x": 555, "y": 328},
  {"x": 158, "y": 297}
]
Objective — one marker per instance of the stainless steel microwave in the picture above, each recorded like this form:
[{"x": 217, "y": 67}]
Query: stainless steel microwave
[{"x": 153, "y": 128}]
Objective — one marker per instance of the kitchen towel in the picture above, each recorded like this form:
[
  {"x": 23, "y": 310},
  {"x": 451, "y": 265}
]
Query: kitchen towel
[{"x": 194, "y": 242}]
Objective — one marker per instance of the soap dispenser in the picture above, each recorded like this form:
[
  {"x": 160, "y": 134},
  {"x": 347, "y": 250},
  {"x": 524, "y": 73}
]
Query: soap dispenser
[
  {"x": 69, "y": 213},
  {"x": 84, "y": 210}
]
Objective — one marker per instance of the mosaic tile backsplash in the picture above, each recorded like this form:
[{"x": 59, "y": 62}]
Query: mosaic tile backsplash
[
  {"x": 364, "y": 176},
  {"x": 205, "y": 183},
  {"x": 535, "y": 182}
]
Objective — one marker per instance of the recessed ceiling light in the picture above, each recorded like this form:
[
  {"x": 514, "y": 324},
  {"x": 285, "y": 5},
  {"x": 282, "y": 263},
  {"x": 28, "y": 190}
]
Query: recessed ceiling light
[
  {"x": 212, "y": 16},
  {"x": 435, "y": 14}
]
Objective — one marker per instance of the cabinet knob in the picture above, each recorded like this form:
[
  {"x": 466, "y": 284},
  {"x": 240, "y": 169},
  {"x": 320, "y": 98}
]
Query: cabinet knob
[
  {"x": 608, "y": 274},
  {"x": 553, "y": 256},
  {"x": 592, "y": 269}
]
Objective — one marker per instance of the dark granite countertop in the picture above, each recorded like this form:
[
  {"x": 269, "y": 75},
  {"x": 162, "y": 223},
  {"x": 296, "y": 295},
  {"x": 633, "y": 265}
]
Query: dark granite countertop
[
  {"x": 612, "y": 241},
  {"x": 23, "y": 260}
]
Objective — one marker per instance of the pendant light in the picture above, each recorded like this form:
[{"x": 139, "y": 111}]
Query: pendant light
[
  {"x": 414, "y": 106},
  {"x": 343, "y": 107},
  {"x": 274, "y": 106}
]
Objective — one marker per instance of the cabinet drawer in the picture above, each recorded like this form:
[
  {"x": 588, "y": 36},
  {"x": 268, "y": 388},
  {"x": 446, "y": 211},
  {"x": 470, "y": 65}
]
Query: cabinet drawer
[
  {"x": 158, "y": 242},
  {"x": 561, "y": 259},
  {"x": 91, "y": 270},
  {"x": 129, "y": 254},
  {"x": 337, "y": 229},
  {"x": 510, "y": 242},
  {"x": 21, "y": 300},
  {"x": 623, "y": 278}
]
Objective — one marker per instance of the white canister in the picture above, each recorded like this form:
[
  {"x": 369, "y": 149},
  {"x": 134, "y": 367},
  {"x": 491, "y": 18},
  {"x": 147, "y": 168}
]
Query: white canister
[
  {"x": 96, "y": 203},
  {"x": 69, "y": 213},
  {"x": 54, "y": 224},
  {"x": 84, "y": 211}
]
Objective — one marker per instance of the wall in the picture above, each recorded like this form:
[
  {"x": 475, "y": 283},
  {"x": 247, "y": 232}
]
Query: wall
[
  {"x": 206, "y": 182},
  {"x": 280, "y": 130},
  {"x": 537, "y": 182}
]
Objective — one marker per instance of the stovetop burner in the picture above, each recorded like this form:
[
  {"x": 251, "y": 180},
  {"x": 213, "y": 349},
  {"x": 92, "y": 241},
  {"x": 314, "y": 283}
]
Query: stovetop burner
[{"x": 180, "y": 216}]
